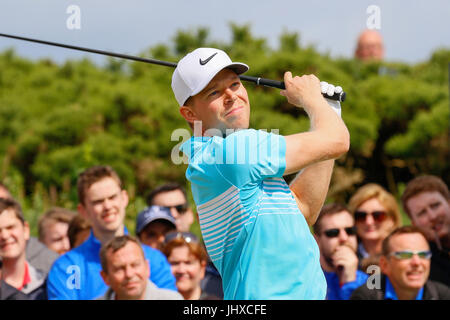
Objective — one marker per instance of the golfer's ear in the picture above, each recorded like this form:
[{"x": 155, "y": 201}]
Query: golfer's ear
[{"x": 188, "y": 114}]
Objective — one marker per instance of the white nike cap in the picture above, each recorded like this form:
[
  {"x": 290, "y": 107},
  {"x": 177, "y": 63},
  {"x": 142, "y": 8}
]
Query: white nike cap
[{"x": 195, "y": 70}]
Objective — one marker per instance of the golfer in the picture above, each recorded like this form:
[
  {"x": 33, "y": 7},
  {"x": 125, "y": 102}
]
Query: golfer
[{"x": 254, "y": 225}]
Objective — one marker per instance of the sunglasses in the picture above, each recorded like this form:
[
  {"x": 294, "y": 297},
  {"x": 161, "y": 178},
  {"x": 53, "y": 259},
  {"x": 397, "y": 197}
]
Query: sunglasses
[
  {"x": 186, "y": 236},
  {"x": 378, "y": 216},
  {"x": 181, "y": 208},
  {"x": 333, "y": 233},
  {"x": 408, "y": 254}
]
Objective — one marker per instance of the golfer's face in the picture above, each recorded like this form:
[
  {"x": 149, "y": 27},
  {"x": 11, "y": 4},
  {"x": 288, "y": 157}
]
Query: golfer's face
[{"x": 223, "y": 104}]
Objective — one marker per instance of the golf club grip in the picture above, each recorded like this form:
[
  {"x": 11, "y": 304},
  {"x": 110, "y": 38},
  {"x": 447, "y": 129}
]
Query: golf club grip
[{"x": 280, "y": 85}]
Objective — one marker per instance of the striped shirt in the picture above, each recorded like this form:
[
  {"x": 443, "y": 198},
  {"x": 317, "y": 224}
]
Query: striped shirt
[{"x": 253, "y": 230}]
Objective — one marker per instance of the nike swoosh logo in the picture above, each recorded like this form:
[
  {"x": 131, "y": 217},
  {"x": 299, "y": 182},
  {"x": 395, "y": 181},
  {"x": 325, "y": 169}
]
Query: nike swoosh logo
[{"x": 203, "y": 62}]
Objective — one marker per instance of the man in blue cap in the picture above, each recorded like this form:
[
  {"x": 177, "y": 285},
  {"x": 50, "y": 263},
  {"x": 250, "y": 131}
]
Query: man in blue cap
[{"x": 152, "y": 225}]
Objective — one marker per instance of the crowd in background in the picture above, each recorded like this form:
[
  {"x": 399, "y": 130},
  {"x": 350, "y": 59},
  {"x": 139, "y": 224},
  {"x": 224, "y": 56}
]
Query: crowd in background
[
  {"x": 90, "y": 254},
  {"x": 366, "y": 253}
]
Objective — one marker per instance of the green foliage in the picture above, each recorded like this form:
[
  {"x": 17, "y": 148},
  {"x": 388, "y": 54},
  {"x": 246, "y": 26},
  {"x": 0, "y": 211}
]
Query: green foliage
[{"x": 57, "y": 120}]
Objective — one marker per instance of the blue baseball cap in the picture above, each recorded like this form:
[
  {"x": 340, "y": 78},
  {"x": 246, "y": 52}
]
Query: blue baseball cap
[{"x": 152, "y": 213}]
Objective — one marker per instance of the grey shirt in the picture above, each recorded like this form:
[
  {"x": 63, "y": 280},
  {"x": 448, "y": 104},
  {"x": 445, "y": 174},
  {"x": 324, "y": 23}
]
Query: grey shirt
[
  {"x": 39, "y": 256},
  {"x": 152, "y": 292}
]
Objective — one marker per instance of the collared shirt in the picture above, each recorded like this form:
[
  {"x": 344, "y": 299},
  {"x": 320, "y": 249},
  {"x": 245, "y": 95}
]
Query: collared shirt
[
  {"x": 34, "y": 283},
  {"x": 8, "y": 292},
  {"x": 152, "y": 292},
  {"x": 26, "y": 277},
  {"x": 76, "y": 274},
  {"x": 391, "y": 295},
  {"x": 254, "y": 232},
  {"x": 336, "y": 291}
]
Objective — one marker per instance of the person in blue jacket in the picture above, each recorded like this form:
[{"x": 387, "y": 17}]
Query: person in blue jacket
[
  {"x": 76, "y": 274},
  {"x": 335, "y": 234}
]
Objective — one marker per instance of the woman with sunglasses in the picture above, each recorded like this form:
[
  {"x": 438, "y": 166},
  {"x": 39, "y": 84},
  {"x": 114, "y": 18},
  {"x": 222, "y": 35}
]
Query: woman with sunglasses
[
  {"x": 376, "y": 214},
  {"x": 188, "y": 260}
]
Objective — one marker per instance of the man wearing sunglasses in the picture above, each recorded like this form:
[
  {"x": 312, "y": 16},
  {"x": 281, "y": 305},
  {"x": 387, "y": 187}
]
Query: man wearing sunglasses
[
  {"x": 405, "y": 267},
  {"x": 173, "y": 197},
  {"x": 335, "y": 234}
]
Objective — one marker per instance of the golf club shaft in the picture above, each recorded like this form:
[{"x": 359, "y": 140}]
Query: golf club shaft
[
  {"x": 257, "y": 80},
  {"x": 107, "y": 53},
  {"x": 280, "y": 85}
]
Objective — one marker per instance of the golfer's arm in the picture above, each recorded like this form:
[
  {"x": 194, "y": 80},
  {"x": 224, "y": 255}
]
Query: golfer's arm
[
  {"x": 311, "y": 185},
  {"x": 314, "y": 152}
]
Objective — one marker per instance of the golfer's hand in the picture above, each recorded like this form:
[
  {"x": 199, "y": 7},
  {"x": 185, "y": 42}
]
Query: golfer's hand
[
  {"x": 302, "y": 91},
  {"x": 330, "y": 90}
]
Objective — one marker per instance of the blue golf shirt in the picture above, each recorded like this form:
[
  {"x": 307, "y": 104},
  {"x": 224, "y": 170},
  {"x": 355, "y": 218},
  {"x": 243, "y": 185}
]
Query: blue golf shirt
[
  {"x": 253, "y": 230},
  {"x": 76, "y": 274}
]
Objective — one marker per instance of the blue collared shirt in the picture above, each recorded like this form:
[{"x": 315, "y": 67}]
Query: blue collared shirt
[
  {"x": 337, "y": 292},
  {"x": 391, "y": 295},
  {"x": 76, "y": 274},
  {"x": 254, "y": 232}
]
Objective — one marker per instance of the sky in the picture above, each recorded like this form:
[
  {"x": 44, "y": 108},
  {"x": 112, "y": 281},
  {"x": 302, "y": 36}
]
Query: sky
[{"x": 411, "y": 30}]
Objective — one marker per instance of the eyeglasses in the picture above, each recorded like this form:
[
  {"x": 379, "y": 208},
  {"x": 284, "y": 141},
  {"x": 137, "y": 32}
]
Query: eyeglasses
[
  {"x": 186, "y": 236},
  {"x": 407, "y": 254},
  {"x": 378, "y": 216},
  {"x": 333, "y": 233},
  {"x": 181, "y": 208}
]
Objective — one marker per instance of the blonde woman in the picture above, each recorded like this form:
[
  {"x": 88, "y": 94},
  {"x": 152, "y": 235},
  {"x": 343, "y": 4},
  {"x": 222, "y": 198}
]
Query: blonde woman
[{"x": 376, "y": 214}]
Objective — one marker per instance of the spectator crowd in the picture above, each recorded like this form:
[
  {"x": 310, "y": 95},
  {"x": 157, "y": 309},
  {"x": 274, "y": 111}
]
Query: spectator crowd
[{"x": 365, "y": 252}]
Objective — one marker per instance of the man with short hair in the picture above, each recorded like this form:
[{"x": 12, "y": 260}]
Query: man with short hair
[
  {"x": 426, "y": 200},
  {"x": 173, "y": 196},
  {"x": 16, "y": 270},
  {"x": 405, "y": 265},
  {"x": 102, "y": 201},
  {"x": 254, "y": 226},
  {"x": 370, "y": 46},
  {"x": 335, "y": 234},
  {"x": 37, "y": 254},
  {"x": 126, "y": 271},
  {"x": 152, "y": 225},
  {"x": 52, "y": 229}
]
